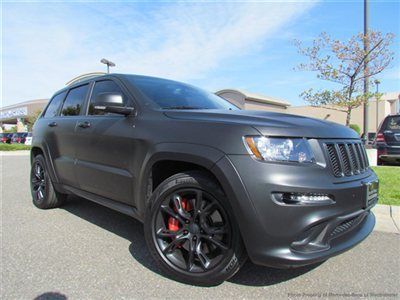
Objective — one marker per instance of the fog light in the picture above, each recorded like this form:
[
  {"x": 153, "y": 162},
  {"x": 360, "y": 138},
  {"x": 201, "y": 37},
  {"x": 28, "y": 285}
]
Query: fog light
[{"x": 303, "y": 198}]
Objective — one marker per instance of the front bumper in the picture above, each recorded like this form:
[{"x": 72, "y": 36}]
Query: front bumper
[{"x": 284, "y": 236}]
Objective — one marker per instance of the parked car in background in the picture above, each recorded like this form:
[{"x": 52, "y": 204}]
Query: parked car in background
[
  {"x": 18, "y": 137},
  {"x": 6, "y": 138},
  {"x": 387, "y": 141},
  {"x": 28, "y": 139},
  {"x": 213, "y": 184}
]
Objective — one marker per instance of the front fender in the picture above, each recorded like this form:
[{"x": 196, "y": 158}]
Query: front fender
[{"x": 200, "y": 155}]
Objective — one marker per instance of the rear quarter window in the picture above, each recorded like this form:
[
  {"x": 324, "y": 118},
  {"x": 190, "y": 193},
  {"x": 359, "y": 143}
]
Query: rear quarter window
[{"x": 55, "y": 102}]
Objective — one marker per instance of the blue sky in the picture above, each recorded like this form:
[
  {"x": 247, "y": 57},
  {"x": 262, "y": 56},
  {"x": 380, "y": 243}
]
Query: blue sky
[{"x": 214, "y": 45}]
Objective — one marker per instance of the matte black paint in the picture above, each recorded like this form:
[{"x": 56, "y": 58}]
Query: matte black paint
[{"x": 110, "y": 162}]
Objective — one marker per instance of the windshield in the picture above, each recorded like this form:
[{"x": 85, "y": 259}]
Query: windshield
[{"x": 168, "y": 94}]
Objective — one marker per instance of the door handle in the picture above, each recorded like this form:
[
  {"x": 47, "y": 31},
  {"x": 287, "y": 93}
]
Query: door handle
[
  {"x": 52, "y": 124},
  {"x": 85, "y": 124}
]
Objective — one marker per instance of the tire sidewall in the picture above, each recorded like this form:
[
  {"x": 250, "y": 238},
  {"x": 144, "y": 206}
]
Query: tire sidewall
[{"x": 229, "y": 265}]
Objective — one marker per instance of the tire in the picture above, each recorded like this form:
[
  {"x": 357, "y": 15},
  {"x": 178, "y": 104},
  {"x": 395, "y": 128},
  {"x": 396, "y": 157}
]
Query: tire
[
  {"x": 44, "y": 195},
  {"x": 191, "y": 232}
]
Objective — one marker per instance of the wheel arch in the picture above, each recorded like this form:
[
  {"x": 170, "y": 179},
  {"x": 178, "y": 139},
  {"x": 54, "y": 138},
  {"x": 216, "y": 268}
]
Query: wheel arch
[
  {"x": 38, "y": 150},
  {"x": 35, "y": 151},
  {"x": 172, "y": 158}
]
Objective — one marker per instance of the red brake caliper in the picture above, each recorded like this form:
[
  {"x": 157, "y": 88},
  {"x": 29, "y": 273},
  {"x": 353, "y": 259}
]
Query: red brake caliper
[{"x": 173, "y": 224}]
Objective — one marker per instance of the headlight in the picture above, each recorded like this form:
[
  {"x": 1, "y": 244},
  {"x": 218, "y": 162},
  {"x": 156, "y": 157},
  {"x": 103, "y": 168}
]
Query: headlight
[{"x": 279, "y": 149}]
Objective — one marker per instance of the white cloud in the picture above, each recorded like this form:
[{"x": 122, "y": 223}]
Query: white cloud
[{"x": 45, "y": 45}]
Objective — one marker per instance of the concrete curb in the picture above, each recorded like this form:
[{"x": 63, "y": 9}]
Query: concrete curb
[{"x": 387, "y": 216}]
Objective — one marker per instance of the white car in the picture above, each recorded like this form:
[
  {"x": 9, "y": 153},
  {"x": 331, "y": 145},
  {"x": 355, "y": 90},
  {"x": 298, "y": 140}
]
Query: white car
[{"x": 28, "y": 139}]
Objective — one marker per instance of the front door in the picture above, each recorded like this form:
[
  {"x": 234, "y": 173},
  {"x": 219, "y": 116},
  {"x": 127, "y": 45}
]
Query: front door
[{"x": 106, "y": 149}]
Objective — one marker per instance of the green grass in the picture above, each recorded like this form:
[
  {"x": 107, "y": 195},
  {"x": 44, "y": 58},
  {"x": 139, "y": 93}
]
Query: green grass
[
  {"x": 389, "y": 184},
  {"x": 13, "y": 147}
]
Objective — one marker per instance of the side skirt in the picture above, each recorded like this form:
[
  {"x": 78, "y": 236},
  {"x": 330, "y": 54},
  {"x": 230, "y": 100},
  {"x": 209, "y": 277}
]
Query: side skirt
[{"x": 115, "y": 205}]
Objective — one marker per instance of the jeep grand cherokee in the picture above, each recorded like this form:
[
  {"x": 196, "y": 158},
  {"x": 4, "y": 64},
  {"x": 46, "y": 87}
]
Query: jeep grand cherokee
[{"x": 213, "y": 184}]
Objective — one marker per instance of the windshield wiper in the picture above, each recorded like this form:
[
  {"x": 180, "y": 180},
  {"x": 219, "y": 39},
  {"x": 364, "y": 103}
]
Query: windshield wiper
[{"x": 183, "y": 107}]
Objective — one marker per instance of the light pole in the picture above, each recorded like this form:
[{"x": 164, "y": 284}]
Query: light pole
[
  {"x": 366, "y": 49},
  {"x": 108, "y": 63},
  {"x": 377, "y": 82}
]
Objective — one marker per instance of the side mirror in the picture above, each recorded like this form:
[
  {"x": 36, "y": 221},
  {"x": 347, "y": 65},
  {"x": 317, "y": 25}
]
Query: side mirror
[{"x": 113, "y": 103}]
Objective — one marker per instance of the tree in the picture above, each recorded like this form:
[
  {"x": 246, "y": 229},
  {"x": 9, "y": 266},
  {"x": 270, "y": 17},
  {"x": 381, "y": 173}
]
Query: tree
[
  {"x": 342, "y": 62},
  {"x": 32, "y": 119},
  {"x": 10, "y": 130}
]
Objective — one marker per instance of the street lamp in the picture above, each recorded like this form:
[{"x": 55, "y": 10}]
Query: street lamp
[
  {"x": 108, "y": 63},
  {"x": 366, "y": 49},
  {"x": 377, "y": 82}
]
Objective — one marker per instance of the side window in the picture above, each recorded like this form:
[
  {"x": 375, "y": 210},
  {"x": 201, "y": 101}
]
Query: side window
[
  {"x": 54, "y": 105},
  {"x": 74, "y": 101},
  {"x": 104, "y": 86}
]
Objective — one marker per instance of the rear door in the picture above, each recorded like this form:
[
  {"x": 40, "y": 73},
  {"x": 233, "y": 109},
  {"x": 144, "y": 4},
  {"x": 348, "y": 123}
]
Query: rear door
[
  {"x": 61, "y": 139},
  {"x": 391, "y": 130},
  {"x": 105, "y": 149}
]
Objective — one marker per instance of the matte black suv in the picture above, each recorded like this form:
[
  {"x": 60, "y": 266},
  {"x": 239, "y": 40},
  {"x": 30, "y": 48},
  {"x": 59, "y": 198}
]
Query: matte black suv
[{"x": 213, "y": 184}]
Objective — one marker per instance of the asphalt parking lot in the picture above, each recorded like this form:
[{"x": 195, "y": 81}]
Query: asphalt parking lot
[{"x": 85, "y": 251}]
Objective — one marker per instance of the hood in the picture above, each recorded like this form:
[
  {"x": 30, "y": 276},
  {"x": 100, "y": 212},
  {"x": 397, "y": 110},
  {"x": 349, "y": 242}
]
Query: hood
[{"x": 269, "y": 123}]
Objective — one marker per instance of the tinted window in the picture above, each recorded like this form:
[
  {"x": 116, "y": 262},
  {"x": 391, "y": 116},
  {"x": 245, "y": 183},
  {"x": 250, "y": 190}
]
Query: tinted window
[
  {"x": 168, "y": 94},
  {"x": 393, "y": 123},
  {"x": 74, "y": 101},
  {"x": 105, "y": 86},
  {"x": 54, "y": 105}
]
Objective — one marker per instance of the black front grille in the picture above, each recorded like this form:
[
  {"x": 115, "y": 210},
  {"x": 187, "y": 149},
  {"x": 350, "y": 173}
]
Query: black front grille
[{"x": 347, "y": 158}]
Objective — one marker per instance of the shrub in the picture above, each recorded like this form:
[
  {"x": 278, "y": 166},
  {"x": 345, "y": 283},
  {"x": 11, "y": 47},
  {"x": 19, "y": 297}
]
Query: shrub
[{"x": 356, "y": 128}]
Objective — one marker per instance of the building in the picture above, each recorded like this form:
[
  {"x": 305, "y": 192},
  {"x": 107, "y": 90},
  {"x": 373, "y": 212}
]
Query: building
[
  {"x": 251, "y": 101},
  {"x": 84, "y": 77},
  {"x": 389, "y": 104},
  {"x": 15, "y": 115}
]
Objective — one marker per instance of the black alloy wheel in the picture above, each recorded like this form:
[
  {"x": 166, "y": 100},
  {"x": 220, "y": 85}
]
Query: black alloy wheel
[
  {"x": 43, "y": 193},
  {"x": 190, "y": 230},
  {"x": 200, "y": 234},
  {"x": 38, "y": 182}
]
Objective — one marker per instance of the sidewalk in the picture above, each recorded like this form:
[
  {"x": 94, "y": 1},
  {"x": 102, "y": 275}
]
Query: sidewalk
[
  {"x": 15, "y": 153},
  {"x": 387, "y": 218}
]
